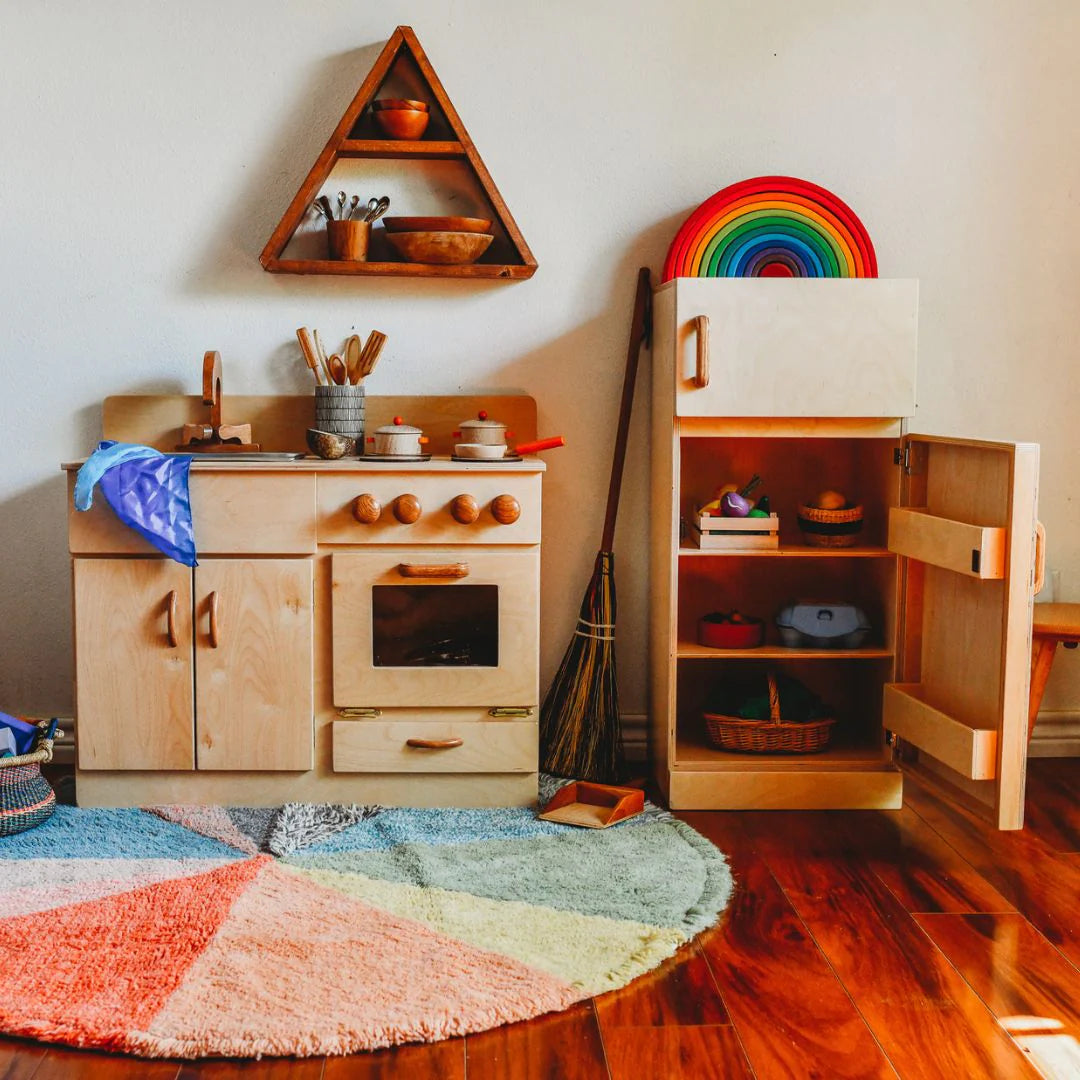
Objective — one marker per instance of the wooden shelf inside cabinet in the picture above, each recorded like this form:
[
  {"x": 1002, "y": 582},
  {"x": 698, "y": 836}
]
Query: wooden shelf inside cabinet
[
  {"x": 691, "y": 650},
  {"x": 693, "y": 754},
  {"x": 403, "y": 58},
  {"x": 790, "y": 551}
]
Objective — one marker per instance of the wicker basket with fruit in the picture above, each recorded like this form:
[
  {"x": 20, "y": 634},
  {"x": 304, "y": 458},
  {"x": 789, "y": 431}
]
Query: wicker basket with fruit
[{"x": 830, "y": 521}]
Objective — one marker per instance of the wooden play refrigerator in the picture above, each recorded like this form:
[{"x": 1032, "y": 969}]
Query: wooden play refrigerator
[{"x": 809, "y": 383}]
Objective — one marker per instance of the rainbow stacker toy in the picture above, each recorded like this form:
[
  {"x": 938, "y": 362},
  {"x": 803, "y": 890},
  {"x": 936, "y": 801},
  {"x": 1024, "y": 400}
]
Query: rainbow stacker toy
[{"x": 772, "y": 226}]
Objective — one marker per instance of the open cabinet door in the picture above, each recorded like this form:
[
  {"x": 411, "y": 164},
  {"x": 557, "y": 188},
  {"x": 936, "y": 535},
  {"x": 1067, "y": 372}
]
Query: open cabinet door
[{"x": 966, "y": 532}]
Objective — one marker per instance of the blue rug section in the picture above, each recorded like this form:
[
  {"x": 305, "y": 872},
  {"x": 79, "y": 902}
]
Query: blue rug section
[
  {"x": 74, "y": 833},
  {"x": 392, "y": 827}
]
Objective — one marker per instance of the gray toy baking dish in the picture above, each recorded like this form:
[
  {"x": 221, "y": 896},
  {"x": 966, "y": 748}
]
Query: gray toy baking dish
[{"x": 810, "y": 624}]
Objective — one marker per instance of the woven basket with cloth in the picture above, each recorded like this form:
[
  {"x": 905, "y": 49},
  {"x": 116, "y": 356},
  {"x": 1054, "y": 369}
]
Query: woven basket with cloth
[{"x": 769, "y": 736}]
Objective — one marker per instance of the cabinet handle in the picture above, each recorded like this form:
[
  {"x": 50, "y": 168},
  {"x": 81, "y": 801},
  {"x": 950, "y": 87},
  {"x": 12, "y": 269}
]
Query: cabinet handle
[
  {"x": 1040, "y": 557},
  {"x": 451, "y": 570},
  {"x": 214, "y": 638},
  {"x": 170, "y": 619},
  {"x": 701, "y": 376},
  {"x": 434, "y": 744}
]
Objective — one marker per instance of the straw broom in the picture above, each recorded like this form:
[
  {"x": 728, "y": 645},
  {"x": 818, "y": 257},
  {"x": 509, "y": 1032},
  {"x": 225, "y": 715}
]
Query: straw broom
[{"x": 579, "y": 720}]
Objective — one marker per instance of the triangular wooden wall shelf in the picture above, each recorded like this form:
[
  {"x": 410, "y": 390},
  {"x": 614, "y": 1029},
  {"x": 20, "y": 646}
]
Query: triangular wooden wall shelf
[{"x": 344, "y": 143}]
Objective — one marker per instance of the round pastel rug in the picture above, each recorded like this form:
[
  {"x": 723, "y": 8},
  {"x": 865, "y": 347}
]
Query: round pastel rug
[{"x": 308, "y": 929}]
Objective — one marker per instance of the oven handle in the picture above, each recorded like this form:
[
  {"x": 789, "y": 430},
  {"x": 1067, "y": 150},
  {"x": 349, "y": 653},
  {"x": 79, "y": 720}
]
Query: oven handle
[
  {"x": 434, "y": 744},
  {"x": 447, "y": 570}
]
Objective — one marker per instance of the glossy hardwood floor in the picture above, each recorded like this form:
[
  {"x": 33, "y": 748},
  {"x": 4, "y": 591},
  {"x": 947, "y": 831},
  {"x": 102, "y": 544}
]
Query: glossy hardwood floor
[{"x": 914, "y": 944}]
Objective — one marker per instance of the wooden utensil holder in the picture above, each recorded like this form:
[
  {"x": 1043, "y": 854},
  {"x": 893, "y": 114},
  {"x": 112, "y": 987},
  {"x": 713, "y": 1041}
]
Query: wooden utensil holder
[{"x": 348, "y": 240}]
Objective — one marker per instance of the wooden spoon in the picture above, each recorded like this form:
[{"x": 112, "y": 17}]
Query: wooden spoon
[
  {"x": 338, "y": 371},
  {"x": 352, "y": 359}
]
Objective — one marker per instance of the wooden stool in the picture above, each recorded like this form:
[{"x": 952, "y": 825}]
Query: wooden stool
[{"x": 1052, "y": 623}]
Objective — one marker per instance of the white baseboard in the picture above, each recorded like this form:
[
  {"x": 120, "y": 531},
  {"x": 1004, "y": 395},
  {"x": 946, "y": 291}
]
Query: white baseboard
[{"x": 1056, "y": 734}]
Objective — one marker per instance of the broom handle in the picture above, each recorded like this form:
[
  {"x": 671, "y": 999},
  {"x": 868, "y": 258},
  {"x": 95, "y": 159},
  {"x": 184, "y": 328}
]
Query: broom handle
[{"x": 639, "y": 330}]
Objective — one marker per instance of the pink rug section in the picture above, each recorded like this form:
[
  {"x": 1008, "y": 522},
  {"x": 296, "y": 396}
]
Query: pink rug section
[
  {"x": 90, "y": 975},
  {"x": 351, "y": 977},
  {"x": 210, "y": 821}
]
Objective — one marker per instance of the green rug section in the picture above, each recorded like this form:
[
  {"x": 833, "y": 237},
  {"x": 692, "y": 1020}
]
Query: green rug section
[
  {"x": 578, "y": 949},
  {"x": 660, "y": 875}
]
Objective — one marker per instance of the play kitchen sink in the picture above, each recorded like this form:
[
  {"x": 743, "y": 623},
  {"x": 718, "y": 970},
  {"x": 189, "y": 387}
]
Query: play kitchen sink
[{"x": 354, "y": 631}]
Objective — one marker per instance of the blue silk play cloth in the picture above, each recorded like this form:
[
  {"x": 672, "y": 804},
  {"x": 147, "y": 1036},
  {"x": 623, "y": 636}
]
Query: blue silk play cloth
[{"x": 147, "y": 490}]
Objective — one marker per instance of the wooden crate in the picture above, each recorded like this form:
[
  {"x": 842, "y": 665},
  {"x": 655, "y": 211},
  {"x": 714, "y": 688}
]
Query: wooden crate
[{"x": 735, "y": 534}]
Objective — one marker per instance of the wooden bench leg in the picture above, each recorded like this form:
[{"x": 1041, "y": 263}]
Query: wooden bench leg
[{"x": 1042, "y": 659}]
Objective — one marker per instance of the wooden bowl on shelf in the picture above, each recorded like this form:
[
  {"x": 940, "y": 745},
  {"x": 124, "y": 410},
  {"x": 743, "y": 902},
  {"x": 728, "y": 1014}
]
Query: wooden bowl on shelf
[
  {"x": 399, "y": 103},
  {"x": 440, "y": 248},
  {"x": 436, "y": 224},
  {"x": 402, "y": 123}
]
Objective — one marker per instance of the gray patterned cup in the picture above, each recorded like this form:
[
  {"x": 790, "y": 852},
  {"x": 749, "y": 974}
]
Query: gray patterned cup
[{"x": 340, "y": 410}]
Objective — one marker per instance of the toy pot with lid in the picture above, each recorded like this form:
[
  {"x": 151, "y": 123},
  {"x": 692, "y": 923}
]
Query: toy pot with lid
[
  {"x": 483, "y": 431},
  {"x": 399, "y": 439}
]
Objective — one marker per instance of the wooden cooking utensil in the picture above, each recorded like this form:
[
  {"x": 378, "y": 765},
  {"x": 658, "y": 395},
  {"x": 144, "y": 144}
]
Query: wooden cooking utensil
[
  {"x": 323, "y": 358},
  {"x": 352, "y": 359},
  {"x": 311, "y": 356},
  {"x": 370, "y": 356},
  {"x": 338, "y": 371}
]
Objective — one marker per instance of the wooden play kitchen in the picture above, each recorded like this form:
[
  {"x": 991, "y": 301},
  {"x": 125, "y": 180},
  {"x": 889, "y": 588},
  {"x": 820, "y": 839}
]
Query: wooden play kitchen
[
  {"x": 809, "y": 383},
  {"x": 355, "y": 630}
]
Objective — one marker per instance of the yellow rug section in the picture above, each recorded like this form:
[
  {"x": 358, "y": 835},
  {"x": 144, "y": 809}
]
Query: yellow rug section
[{"x": 583, "y": 950}]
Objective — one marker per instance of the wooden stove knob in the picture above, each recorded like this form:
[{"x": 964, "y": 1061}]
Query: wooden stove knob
[
  {"x": 505, "y": 509},
  {"x": 407, "y": 509},
  {"x": 465, "y": 509},
  {"x": 366, "y": 508}
]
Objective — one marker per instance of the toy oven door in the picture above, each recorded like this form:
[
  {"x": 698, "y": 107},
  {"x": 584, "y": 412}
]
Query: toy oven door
[{"x": 418, "y": 627}]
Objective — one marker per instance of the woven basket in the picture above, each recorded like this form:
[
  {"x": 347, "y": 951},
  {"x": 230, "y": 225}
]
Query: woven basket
[
  {"x": 26, "y": 798},
  {"x": 830, "y": 528},
  {"x": 772, "y": 736}
]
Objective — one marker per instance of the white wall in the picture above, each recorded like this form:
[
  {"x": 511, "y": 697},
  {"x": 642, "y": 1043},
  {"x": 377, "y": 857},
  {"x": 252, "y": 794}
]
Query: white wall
[{"x": 149, "y": 148}]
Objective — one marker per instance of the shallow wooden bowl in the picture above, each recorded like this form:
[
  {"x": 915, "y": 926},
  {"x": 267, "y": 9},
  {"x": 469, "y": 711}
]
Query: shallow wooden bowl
[
  {"x": 436, "y": 224},
  {"x": 402, "y": 123},
  {"x": 329, "y": 445},
  {"x": 398, "y": 103},
  {"x": 441, "y": 248}
]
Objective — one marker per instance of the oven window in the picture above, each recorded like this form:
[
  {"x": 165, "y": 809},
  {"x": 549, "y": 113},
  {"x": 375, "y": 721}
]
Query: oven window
[{"x": 435, "y": 625}]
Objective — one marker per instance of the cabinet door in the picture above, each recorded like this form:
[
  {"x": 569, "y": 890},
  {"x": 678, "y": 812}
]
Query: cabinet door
[
  {"x": 966, "y": 529},
  {"x": 806, "y": 347},
  {"x": 253, "y": 653},
  {"x": 133, "y": 664}
]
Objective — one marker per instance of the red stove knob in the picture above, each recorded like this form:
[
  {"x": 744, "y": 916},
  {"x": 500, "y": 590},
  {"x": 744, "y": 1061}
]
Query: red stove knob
[
  {"x": 407, "y": 509},
  {"x": 465, "y": 509},
  {"x": 366, "y": 508},
  {"x": 505, "y": 509}
]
